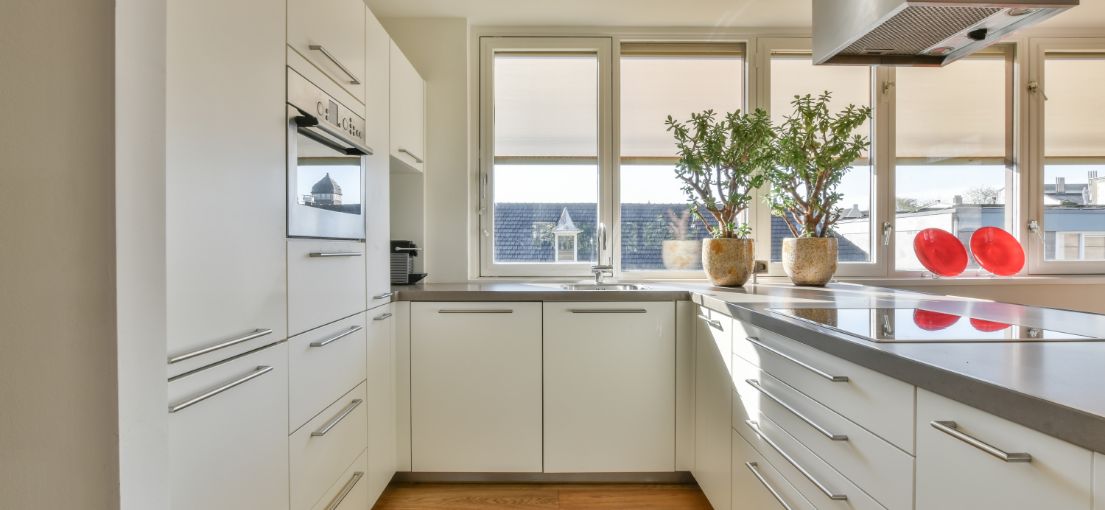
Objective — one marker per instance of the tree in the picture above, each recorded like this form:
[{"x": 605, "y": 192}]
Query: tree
[{"x": 982, "y": 195}]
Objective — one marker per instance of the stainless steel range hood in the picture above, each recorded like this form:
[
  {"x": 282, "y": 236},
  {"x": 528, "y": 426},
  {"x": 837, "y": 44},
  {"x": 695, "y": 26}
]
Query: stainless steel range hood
[{"x": 918, "y": 32}]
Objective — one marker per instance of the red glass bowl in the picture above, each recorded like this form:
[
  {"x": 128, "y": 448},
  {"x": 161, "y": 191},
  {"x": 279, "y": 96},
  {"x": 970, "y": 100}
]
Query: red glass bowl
[
  {"x": 929, "y": 320},
  {"x": 997, "y": 251},
  {"x": 988, "y": 326},
  {"x": 940, "y": 252}
]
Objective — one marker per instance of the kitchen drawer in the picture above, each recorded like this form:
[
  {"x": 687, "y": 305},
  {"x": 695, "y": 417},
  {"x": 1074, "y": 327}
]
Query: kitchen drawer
[
  {"x": 881, "y": 469},
  {"x": 954, "y": 474},
  {"x": 323, "y": 365},
  {"x": 321, "y": 450},
  {"x": 326, "y": 282},
  {"x": 878, "y": 403},
  {"x": 816, "y": 480},
  {"x": 350, "y": 492},
  {"x": 229, "y": 451},
  {"x": 757, "y": 485}
]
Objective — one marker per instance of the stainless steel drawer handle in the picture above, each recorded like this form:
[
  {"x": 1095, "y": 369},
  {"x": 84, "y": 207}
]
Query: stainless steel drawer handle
[
  {"x": 755, "y": 469},
  {"x": 345, "y": 490},
  {"x": 835, "y": 496},
  {"x": 488, "y": 310},
  {"x": 383, "y": 316},
  {"x": 608, "y": 310},
  {"x": 324, "y": 254},
  {"x": 412, "y": 155},
  {"x": 180, "y": 406},
  {"x": 257, "y": 333},
  {"x": 322, "y": 49},
  {"x": 952, "y": 429},
  {"x": 716, "y": 324},
  {"x": 825, "y": 432},
  {"x": 339, "y": 336},
  {"x": 385, "y": 295},
  {"x": 326, "y": 427},
  {"x": 796, "y": 361}
]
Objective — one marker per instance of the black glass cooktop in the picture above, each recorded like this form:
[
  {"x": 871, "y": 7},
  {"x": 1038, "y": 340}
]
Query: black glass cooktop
[{"x": 922, "y": 326}]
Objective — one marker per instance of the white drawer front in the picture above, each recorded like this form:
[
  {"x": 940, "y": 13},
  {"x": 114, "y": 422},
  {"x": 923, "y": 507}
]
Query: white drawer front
[
  {"x": 326, "y": 282},
  {"x": 876, "y": 466},
  {"x": 757, "y": 485},
  {"x": 880, "y": 404},
  {"x": 323, "y": 365},
  {"x": 229, "y": 451},
  {"x": 321, "y": 450},
  {"x": 954, "y": 474},
  {"x": 822, "y": 485},
  {"x": 350, "y": 492}
]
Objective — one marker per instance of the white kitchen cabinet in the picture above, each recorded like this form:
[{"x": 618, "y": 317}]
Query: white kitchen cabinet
[
  {"x": 381, "y": 400},
  {"x": 377, "y": 174},
  {"x": 326, "y": 282},
  {"x": 351, "y": 491},
  {"x": 321, "y": 450},
  {"x": 324, "y": 364},
  {"x": 330, "y": 34},
  {"x": 960, "y": 464},
  {"x": 1098, "y": 481},
  {"x": 228, "y": 434},
  {"x": 476, "y": 387},
  {"x": 408, "y": 113},
  {"x": 609, "y": 387},
  {"x": 713, "y": 398},
  {"x": 224, "y": 178},
  {"x": 757, "y": 485}
]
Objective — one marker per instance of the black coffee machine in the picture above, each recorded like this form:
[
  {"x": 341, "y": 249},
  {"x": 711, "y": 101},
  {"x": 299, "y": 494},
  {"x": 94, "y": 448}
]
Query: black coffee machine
[{"x": 402, "y": 263}]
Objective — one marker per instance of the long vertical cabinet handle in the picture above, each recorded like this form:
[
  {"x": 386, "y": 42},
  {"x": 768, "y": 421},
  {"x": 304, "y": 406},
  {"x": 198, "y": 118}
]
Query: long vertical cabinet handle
[
  {"x": 322, "y": 49},
  {"x": 835, "y": 496},
  {"x": 952, "y": 429},
  {"x": 180, "y": 406},
  {"x": 796, "y": 361},
  {"x": 755, "y": 469},
  {"x": 345, "y": 490},
  {"x": 257, "y": 333}
]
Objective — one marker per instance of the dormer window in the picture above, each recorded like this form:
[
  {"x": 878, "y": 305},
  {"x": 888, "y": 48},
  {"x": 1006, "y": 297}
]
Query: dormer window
[{"x": 567, "y": 234}]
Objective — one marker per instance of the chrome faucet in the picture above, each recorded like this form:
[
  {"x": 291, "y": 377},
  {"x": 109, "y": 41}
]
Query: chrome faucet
[{"x": 600, "y": 271}]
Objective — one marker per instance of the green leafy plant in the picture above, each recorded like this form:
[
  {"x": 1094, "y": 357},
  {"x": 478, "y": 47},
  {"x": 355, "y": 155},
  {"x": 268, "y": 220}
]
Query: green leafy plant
[
  {"x": 721, "y": 161},
  {"x": 815, "y": 149}
]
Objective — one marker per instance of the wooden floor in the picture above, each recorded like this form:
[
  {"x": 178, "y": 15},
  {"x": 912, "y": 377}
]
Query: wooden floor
[{"x": 425, "y": 496}]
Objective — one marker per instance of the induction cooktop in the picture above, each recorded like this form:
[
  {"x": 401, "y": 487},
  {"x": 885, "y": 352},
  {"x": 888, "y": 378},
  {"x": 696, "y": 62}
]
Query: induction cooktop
[{"x": 917, "y": 325}]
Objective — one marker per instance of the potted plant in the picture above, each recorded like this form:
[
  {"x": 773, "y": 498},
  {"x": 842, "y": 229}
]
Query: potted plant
[
  {"x": 721, "y": 161},
  {"x": 680, "y": 253},
  {"x": 814, "y": 150}
]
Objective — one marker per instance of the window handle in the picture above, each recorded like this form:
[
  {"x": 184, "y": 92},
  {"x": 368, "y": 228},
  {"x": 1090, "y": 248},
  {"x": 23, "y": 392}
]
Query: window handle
[
  {"x": 1034, "y": 87},
  {"x": 887, "y": 230}
]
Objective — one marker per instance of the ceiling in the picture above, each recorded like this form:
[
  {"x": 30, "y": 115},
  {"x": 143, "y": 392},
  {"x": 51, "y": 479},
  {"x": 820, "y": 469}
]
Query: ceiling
[{"x": 652, "y": 13}]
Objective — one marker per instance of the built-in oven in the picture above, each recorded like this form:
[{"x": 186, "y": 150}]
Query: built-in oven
[{"x": 326, "y": 150}]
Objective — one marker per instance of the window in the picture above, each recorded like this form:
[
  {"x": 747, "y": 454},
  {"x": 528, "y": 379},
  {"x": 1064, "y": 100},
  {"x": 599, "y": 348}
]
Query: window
[
  {"x": 953, "y": 138},
  {"x": 792, "y": 73},
  {"x": 657, "y": 232}
]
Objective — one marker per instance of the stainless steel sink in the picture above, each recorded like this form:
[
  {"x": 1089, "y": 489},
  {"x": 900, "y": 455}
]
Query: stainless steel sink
[{"x": 602, "y": 286}]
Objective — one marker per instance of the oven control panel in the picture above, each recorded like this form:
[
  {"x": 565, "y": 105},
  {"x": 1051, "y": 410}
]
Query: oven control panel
[{"x": 309, "y": 98}]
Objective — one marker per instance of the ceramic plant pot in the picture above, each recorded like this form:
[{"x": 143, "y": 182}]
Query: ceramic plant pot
[
  {"x": 728, "y": 262},
  {"x": 810, "y": 261},
  {"x": 681, "y": 255}
]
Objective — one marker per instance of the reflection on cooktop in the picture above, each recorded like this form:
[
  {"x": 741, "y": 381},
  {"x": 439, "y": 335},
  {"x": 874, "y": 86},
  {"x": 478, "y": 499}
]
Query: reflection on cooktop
[{"x": 916, "y": 325}]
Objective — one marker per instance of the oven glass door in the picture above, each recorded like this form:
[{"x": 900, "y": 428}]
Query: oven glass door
[{"x": 325, "y": 189}]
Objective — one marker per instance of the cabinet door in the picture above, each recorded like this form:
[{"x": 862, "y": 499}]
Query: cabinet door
[
  {"x": 377, "y": 175},
  {"x": 609, "y": 387},
  {"x": 381, "y": 400},
  {"x": 331, "y": 35},
  {"x": 953, "y": 473},
  {"x": 229, "y": 451},
  {"x": 408, "y": 111},
  {"x": 224, "y": 182},
  {"x": 476, "y": 387},
  {"x": 713, "y": 411},
  {"x": 757, "y": 485}
]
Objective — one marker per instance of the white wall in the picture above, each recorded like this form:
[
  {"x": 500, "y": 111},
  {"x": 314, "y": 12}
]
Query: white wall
[
  {"x": 58, "y": 427},
  {"x": 438, "y": 48}
]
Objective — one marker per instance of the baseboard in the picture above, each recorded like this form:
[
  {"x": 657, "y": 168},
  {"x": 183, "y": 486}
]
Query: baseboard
[{"x": 664, "y": 477}]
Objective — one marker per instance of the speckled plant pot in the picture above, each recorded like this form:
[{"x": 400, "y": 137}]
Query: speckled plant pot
[
  {"x": 728, "y": 262},
  {"x": 810, "y": 261},
  {"x": 681, "y": 255}
]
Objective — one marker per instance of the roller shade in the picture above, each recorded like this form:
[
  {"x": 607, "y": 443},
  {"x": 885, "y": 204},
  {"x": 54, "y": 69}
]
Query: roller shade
[
  {"x": 674, "y": 79},
  {"x": 1074, "y": 113},
  {"x": 795, "y": 75},
  {"x": 546, "y": 105}
]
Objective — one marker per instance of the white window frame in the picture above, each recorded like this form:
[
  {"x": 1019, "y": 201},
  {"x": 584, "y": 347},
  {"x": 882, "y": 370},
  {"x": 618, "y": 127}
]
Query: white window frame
[
  {"x": 1038, "y": 49},
  {"x": 489, "y": 45}
]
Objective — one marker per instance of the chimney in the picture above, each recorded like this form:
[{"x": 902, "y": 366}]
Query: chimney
[
  {"x": 1060, "y": 184},
  {"x": 1092, "y": 174},
  {"x": 957, "y": 200}
]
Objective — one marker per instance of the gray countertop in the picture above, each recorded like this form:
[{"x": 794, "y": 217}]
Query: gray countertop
[{"x": 1057, "y": 388}]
